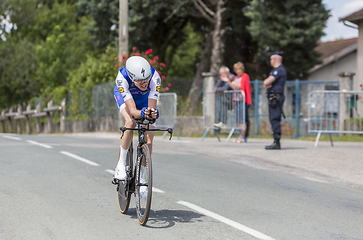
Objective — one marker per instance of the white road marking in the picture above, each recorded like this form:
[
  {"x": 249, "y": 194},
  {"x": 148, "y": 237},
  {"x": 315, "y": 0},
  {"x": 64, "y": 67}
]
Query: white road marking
[
  {"x": 172, "y": 140},
  {"x": 232, "y": 223},
  {"x": 79, "y": 158},
  {"x": 39, "y": 144},
  {"x": 157, "y": 190},
  {"x": 154, "y": 188},
  {"x": 110, "y": 171},
  {"x": 10, "y": 137}
]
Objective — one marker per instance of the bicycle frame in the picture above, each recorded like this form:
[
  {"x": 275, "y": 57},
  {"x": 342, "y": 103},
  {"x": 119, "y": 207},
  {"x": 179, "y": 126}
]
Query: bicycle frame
[
  {"x": 136, "y": 180},
  {"x": 141, "y": 136}
]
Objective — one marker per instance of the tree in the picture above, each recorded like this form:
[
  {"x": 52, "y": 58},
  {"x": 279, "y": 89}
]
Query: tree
[
  {"x": 213, "y": 24},
  {"x": 214, "y": 18},
  {"x": 239, "y": 45},
  {"x": 186, "y": 55},
  {"x": 147, "y": 25},
  {"x": 292, "y": 26},
  {"x": 16, "y": 72},
  {"x": 46, "y": 42},
  {"x": 64, "y": 48},
  {"x": 104, "y": 30}
]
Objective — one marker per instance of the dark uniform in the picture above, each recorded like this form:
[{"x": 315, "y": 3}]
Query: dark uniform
[{"x": 276, "y": 98}]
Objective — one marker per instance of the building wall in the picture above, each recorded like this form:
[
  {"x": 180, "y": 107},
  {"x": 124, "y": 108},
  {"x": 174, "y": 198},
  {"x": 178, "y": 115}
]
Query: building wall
[
  {"x": 359, "y": 77},
  {"x": 330, "y": 72}
]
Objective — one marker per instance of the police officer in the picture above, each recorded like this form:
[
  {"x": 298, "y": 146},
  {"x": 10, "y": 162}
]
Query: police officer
[{"x": 275, "y": 84}]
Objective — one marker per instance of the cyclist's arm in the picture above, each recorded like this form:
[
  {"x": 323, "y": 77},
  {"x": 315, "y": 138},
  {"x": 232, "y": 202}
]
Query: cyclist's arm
[
  {"x": 152, "y": 103},
  {"x": 130, "y": 103},
  {"x": 154, "y": 85}
]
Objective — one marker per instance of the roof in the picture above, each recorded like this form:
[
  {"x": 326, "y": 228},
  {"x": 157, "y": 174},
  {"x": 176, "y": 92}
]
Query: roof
[
  {"x": 334, "y": 50},
  {"x": 329, "y": 48},
  {"x": 354, "y": 17}
]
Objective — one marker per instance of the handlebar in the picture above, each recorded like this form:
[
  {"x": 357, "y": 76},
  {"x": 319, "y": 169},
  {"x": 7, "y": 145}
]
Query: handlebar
[{"x": 144, "y": 121}]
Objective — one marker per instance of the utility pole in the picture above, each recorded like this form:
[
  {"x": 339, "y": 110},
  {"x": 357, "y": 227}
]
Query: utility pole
[{"x": 123, "y": 31}]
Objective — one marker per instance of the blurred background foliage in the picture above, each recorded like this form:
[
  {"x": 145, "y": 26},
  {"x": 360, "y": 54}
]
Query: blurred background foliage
[{"x": 51, "y": 49}]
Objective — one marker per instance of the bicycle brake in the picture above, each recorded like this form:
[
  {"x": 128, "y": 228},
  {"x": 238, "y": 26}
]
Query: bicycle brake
[
  {"x": 123, "y": 129},
  {"x": 114, "y": 181}
]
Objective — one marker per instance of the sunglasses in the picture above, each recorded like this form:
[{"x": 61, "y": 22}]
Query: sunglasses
[{"x": 142, "y": 81}]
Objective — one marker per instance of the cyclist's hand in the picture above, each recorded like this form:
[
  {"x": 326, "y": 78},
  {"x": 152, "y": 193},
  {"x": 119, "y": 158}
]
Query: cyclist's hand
[
  {"x": 149, "y": 113},
  {"x": 144, "y": 113},
  {"x": 154, "y": 113}
]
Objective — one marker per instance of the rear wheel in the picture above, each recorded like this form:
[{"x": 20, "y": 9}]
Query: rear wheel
[
  {"x": 143, "y": 185},
  {"x": 123, "y": 188}
]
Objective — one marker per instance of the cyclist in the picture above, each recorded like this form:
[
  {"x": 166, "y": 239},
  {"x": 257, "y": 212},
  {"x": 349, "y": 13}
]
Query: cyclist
[{"x": 136, "y": 93}]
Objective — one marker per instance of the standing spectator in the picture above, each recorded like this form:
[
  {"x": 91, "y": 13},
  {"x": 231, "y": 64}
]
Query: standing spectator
[
  {"x": 246, "y": 88},
  {"x": 241, "y": 82},
  {"x": 275, "y": 84},
  {"x": 223, "y": 100}
]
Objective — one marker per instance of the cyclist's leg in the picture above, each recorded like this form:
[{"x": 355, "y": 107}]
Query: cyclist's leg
[
  {"x": 149, "y": 137},
  {"x": 120, "y": 172},
  {"x": 129, "y": 123}
]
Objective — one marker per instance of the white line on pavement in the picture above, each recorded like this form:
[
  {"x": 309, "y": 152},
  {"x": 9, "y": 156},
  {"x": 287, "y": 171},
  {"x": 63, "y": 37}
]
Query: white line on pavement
[
  {"x": 154, "y": 188},
  {"x": 10, "y": 137},
  {"x": 39, "y": 144},
  {"x": 157, "y": 190},
  {"x": 79, "y": 158},
  {"x": 173, "y": 141},
  {"x": 110, "y": 171},
  {"x": 232, "y": 223}
]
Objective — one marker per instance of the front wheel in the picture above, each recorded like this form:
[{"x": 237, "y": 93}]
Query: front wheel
[
  {"x": 124, "y": 190},
  {"x": 143, "y": 185}
]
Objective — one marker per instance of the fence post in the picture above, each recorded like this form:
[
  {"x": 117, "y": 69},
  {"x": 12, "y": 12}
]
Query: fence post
[
  {"x": 97, "y": 103},
  {"x": 28, "y": 119},
  {"x": 210, "y": 99},
  {"x": 63, "y": 116},
  {"x": 3, "y": 119},
  {"x": 297, "y": 108},
  {"x": 257, "y": 95},
  {"x": 19, "y": 121},
  {"x": 38, "y": 120},
  {"x": 50, "y": 117},
  {"x": 106, "y": 99},
  {"x": 345, "y": 79},
  {"x": 10, "y": 115}
]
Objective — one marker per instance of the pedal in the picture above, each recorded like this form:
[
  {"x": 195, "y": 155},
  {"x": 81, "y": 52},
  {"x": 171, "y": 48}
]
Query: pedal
[{"x": 128, "y": 170}]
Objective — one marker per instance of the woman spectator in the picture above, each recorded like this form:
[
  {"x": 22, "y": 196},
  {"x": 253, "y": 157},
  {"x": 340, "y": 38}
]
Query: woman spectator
[{"x": 241, "y": 82}]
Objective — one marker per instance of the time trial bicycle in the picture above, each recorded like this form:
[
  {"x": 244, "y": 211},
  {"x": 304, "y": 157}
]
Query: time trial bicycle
[{"x": 139, "y": 173}]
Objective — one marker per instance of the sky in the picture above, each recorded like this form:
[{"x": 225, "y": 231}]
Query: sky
[{"x": 339, "y": 9}]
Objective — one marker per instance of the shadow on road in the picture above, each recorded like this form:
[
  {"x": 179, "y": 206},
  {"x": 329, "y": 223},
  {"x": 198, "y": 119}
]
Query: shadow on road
[
  {"x": 291, "y": 148},
  {"x": 167, "y": 218}
]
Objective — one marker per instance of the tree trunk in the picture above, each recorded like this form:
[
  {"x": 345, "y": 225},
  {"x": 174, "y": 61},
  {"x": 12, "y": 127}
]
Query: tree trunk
[
  {"x": 211, "y": 60},
  {"x": 218, "y": 39}
]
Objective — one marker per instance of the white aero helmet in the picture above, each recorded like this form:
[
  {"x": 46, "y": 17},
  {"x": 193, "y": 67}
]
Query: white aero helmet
[{"x": 138, "y": 68}]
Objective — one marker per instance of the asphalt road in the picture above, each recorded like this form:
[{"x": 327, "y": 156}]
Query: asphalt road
[{"x": 59, "y": 187}]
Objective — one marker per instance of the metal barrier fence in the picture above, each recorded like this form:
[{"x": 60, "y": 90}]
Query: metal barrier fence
[
  {"x": 335, "y": 112},
  {"x": 95, "y": 102},
  {"x": 224, "y": 111},
  {"x": 167, "y": 106},
  {"x": 295, "y": 107}
]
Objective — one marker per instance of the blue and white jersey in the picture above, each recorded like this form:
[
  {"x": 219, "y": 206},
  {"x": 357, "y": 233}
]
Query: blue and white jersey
[{"x": 126, "y": 89}]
